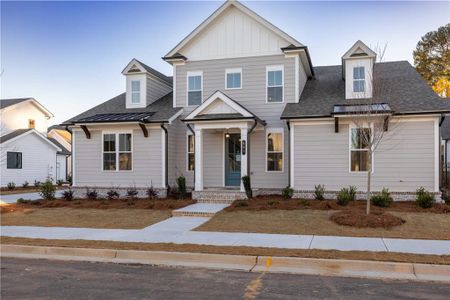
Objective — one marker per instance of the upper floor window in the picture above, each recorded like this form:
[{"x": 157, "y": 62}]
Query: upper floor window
[
  {"x": 359, "y": 79},
  {"x": 14, "y": 160},
  {"x": 135, "y": 91},
  {"x": 275, "y": 83},
  {"x": 359, "y": 149},
  {"x": 233, "y": 79},
  {"x": 195, "y": 88},
  {"x": 117, "y": 152},
  {"x": 274, "y": 150},
  {"x": 31, "y": 123}
]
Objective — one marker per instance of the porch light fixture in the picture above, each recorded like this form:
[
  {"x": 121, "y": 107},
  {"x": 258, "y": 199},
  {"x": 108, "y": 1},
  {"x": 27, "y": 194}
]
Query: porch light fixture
[{"x": 227, "y": 135}]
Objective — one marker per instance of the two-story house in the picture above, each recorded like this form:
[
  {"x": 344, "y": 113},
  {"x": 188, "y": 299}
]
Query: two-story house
[
  {"x": 245, "y": 99},
  {"x": 26, "y": 154}
]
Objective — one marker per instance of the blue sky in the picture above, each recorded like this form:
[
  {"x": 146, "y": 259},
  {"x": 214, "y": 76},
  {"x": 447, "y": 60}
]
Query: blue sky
[{"x": 69, "y": 55}]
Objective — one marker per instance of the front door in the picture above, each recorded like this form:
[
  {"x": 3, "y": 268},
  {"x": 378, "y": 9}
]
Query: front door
[{"x": 233, "y": 160}]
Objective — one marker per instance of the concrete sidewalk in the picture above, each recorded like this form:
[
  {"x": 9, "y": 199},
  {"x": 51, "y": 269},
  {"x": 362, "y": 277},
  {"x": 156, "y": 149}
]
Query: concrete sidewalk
[
  {"x": 178, "y": 230},
  {"x": 27, "y": 196}
]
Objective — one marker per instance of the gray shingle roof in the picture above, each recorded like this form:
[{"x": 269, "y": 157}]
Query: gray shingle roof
[
  {"x": 8, "y": 102},
  {"x": 13, "y": 134},
  {"x": 156, "y": 73},
  {"x": 162, "y": 109},
  {"x": 64, "y": 150},
  {"x": 400, "y": 86}
]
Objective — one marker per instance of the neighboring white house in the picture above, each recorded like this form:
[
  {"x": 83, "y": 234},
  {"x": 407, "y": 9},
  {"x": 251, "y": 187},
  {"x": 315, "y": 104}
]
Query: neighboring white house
[
  {"x": 245, "y": 99},
  {"x": 63, "y": 139},
  {"x": 26, "y": 154}
]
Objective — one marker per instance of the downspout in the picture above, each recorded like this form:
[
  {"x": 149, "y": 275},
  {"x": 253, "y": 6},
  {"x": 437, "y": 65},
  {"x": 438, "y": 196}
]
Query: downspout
[
  {"x": 288, "y": 124},
  {"x": 166, "y": 163},
  {"x": 193, "y": 134},
  {"x": 248, "y": 146}
]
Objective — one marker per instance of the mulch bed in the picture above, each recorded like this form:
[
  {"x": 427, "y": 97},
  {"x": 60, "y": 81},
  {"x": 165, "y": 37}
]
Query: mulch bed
[
  {"x": 358, "y": 218},
  {"x": 268, "y": 202},
  {"x": 157, "y": 204}
]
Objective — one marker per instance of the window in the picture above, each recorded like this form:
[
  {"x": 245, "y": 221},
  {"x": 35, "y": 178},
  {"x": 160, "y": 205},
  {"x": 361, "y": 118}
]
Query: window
[
  {"x": 359, "y": 79},
  {"x": 117, "y": 156},
  {"x": 233, "y": 79},
  {"x": 274, "y": 151},
  {"x": 14, "y": 160},
  {"x": 190, "y": 152},
  {"x": 31, "y": 123},
  {"x": 359, "y": 149},
  {"x": 275, "y": 84},
  {"x": 195, "y": 87},
  {"x": 135, "y": 91}
]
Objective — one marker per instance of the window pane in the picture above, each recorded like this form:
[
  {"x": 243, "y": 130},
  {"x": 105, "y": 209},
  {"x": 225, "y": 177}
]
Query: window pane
[
  {"x": 358, "y": 73},
  {"x": 359, "y": 160},
  {"x": 194, "y": 98},
  {"x": 191, "y": 161},
  {"x": 125, "y": 160},
  {"x": 360, "y": 138},
  {"x": 135, "y": 86},
  {"x": 135, "y": 97},
  {"x": 274, "y": 78},
  {"x": 195, "y": 83},
  {"x": 109, "y": 161},
  {"x": 274, "y": 161},
  {"x": 358, "y": 86},
  {"x": 109, "y": 142},
  {"x": 274, "y": 142},
  {"x": 233, "y": 80},
  {"x": 14, "y": 160},
  {"x": 191, "y": 145},
  {"x": 125, "y": 142},
  {"x": 275, "y": 94}
]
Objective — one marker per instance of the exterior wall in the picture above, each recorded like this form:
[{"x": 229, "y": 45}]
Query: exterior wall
[
  {"x": 147, "y": 159},
  {"x": 404, "y": 160},
  {"x": 54, "y": 134},
  {"x": 61, "y": 167},
  {"x": 17, "y": 116},
  {"x": 38, "y": 160},
  {"x": 156, "y": 89}
]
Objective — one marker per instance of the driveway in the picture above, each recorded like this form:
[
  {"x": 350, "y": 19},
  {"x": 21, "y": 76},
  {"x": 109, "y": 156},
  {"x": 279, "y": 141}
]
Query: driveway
[{"x": 27, "y": 196}]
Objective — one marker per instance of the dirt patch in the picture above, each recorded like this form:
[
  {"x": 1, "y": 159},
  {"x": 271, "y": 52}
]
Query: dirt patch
[
  {"x": 358, "y": 218},
  {"x": 326, "y": 254},
  {"x": 277, "y": 202},
  {"x": 156, "y": 204}
]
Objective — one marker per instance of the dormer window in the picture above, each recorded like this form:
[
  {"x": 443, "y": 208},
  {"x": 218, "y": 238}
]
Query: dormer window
[
  {"x": 135, "y": 92},
  {"x": 359, "y": 80}
]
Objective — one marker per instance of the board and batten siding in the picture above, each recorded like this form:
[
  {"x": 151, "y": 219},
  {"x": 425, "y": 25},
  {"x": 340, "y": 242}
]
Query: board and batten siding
[
  {"x": 403, "y": 161},
  {"x": 147, "y": 159}
]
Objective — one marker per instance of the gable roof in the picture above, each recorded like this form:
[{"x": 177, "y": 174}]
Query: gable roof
[
  {"x": 18, "y": 133},
  {"x": 218, "y": 12},
  {"x": 4, "y": 103},
  {"x": 64, "y": 150},
  {"x": 147, "y": 69},
  {"x": 161, "y": 110},
  {"x": 403, "y": 89},
  {"x": 13, "y": 134},
  {"x": 359, "y": 45}
]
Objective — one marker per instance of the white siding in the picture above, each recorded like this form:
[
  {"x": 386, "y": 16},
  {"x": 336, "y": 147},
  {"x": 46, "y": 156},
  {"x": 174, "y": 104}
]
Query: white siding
[
  {"x": 61, "y": 167},
  {"x": 38, "y": 160},
  {"x": 404, "y": 160},
  {"x": 17, "y": 116}
]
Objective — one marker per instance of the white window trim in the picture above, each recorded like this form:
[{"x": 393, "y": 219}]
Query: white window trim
[
  {"x": 359, "y": 79},
  {"x": 274, "y": 130},
  {"x": 189, "y": 74},
  {"x": 232, "y": 71},
  {"x": 134, "y": 92},
  {"x": 117, "y": 150},
  {"x": 275, "y": 68},
  {"x": 188, "y": 134},
  {"x": 350, "y": 127}
]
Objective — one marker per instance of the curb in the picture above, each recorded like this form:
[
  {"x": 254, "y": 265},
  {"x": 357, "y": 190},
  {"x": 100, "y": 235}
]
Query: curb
[{"x": 292, "y": 265}]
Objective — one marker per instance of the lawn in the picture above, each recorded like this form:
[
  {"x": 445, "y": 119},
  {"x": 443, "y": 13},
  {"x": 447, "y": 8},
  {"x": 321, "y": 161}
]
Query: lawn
[
  {"x": 85, "y": 217},
  {"x": 417, "y": 226}
]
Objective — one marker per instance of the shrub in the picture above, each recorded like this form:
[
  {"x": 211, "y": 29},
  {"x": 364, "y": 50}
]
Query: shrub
[
  {"x": 59, "y": 182},
  {"x": 384, "y": 199},
  {"x": 446, "y": 197},
  {"x": 69, "y": 179},
  {"x": 91, "y": 194},
  {"x": 181, "y": 183},
  {"x": 241, "y": 203},
  {"x": 345, "y": 195},
  {"x": 47, "y": 190},
  {"x": 25, "y": 184},
  {"x": 287, "y": 192},
  {"x": 112, "y": 194},
  {"x": 23, "y": 201},
  {"x": 151, "y": 193},
  {"x": 319, "y": 191},
  {"x": 132, "y": 192},
  {"x": 11, "y": 186},
  {"x": 68, "y": 195},
  {"x": 424, "y": 198},
  {"x": 37, "y": 183},
  {"x": 248, "y": 187}
]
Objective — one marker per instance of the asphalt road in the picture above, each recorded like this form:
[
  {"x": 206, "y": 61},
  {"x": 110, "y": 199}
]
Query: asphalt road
[{"x": 45, "y": 279}]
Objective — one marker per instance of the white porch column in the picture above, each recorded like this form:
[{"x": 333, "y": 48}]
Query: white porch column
[
  {"x": 198, "y": 160},
  {"x": 244, "y": 155}
]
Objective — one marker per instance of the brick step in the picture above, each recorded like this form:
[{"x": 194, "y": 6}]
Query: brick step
[
  {"x": 216, "y": 201},
  {"x": 218, "y": 196},
  {"x": 199, "y": 210},
  {"x": 192, "y": 214}
]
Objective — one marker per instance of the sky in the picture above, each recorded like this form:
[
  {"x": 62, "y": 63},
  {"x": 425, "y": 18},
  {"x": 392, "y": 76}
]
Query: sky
[{"x": 69, "y": 55}]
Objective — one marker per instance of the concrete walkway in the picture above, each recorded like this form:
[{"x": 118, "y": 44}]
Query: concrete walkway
[
  {"x": 178, "y": 230},
  {"x": 27, "y": 196}
]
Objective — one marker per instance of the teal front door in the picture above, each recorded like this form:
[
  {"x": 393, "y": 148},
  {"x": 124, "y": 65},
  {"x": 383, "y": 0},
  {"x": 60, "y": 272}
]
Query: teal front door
[{"x": 233, "y": 160}]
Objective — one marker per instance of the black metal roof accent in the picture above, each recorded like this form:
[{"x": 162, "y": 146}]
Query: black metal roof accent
[
  {"x": 117, "y": 117},
  {"x": 375, "y": 108}
]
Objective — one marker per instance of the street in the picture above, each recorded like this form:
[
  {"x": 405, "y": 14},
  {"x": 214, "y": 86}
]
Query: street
[{"x": 45, "y": 279}]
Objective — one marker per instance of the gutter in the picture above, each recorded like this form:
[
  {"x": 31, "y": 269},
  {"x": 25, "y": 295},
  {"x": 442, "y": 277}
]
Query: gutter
[
  {"x": 166, "y": 149},
  {"x": 288, "y": 124}
]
